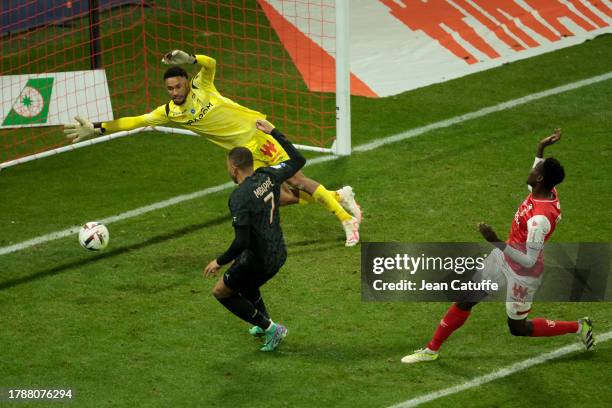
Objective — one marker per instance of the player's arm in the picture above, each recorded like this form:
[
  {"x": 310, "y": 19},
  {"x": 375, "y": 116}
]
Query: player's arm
[
  {"x": 242, "y": 234},
  {"x": 544, "y": 143},
  {"x": 207, "y": 70},
  {"x": 238, "y": 245},
  {"x": 537, "y": 228},
  {"x": 296, "y": 161},
  {"x": 84, "y": 129},
  {"x": 208, "y": 65},
  {"x": 157, "y": 117},
  {"x": 547, "y": 141}
]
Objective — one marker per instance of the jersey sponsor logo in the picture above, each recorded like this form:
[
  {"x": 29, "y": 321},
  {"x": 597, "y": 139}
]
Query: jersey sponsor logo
[
  {"x": 268, "y": 149},
  {"x": 522, "y": 211},
  {"x": 263, "y": 188},
  {"x": 200, "y": 115}
]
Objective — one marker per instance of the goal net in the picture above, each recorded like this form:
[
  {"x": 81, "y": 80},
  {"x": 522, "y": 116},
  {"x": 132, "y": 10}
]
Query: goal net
[{"x": 102, "y": 59}]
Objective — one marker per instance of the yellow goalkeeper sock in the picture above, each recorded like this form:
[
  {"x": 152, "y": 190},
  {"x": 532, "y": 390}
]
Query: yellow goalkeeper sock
[
  {"x": 327, "y": 200},
  {"x": 305, "y": 198}
]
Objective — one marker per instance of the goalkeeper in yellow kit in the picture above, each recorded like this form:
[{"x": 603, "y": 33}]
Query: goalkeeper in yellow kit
[{"x": 197, "y": 105}]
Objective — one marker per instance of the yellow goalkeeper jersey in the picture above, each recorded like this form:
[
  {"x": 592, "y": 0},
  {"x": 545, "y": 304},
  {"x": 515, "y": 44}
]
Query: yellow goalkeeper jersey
[{"x": 205, "y": 112}]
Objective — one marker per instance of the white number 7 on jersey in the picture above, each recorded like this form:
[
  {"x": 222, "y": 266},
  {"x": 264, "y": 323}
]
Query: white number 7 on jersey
[{"x": 270, "y": 197}]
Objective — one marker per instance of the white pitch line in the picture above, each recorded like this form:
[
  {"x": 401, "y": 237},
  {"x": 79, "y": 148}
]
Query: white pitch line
[
  {"x": 361, "y": 148},
  {"x": 480, "y": 113},
  {"x": 504, "y": 372},
  {"x": 125, "y": 215}
]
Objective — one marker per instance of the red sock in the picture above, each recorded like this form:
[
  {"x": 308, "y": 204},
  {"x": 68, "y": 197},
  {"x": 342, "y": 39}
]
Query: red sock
[
  {"x": 547, "y": 328},
  {"x": 452, "y": 320}
]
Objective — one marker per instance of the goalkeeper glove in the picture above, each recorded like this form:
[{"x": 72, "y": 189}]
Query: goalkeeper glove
[
  {"x": 178, "y": 57},
  {"x": 83, "y": 130}
]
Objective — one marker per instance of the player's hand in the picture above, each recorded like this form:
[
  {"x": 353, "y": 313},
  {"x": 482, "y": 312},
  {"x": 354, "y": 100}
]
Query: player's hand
[
  {"x": 487, "y": 232},
  {"x": 80, "y": 131},
  {"x": 552, "y": 139},
  {"x": 178, "y": 57},
  {"x": 264, "y": 126},
  {"x": 211, "y": 269}
]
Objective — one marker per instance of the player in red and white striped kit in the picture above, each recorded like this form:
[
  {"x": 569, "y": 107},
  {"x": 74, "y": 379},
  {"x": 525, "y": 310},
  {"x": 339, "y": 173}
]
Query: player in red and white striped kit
[{"x": 518, "y": 262}]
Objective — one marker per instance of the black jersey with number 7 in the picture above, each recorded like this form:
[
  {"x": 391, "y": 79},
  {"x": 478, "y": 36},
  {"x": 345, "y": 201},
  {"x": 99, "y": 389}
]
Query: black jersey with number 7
[{"x": 255, "y": 204}]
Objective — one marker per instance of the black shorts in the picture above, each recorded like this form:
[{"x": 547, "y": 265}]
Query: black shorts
[{"x": 246, "y": 273}]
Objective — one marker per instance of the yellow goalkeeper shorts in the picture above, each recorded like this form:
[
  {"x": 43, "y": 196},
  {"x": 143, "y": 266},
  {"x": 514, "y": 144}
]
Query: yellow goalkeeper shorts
[{"x": 266, "y": 150}]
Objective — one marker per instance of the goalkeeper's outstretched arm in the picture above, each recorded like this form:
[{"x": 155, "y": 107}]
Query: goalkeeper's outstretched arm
[{"x": 84, "y": 129}]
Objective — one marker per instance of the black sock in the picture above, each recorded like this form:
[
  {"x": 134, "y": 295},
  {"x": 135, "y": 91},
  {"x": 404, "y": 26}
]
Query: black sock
[
  {"x": 245, "y": 310},
  {"x": 255, "y": 297},
  {"x": 259, "y": 305}
]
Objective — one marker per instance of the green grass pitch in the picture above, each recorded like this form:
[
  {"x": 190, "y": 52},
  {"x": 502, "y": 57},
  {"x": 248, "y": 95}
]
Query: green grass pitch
[{"x": 136, "y": 325}]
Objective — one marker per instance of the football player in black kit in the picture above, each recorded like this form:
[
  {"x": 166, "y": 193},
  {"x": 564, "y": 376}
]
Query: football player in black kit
[{"x": 258, "y": 249}]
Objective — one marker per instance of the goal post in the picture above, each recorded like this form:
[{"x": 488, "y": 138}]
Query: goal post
[
  {"x": 343, "y": 86},
  {"x": 286, "y": 59}
]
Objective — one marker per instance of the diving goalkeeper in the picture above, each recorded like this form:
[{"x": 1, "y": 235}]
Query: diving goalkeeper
[{"x": 198, "y": 106}]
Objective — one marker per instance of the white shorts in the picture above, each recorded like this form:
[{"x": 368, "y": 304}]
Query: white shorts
[{"x": 520, "y": 290}]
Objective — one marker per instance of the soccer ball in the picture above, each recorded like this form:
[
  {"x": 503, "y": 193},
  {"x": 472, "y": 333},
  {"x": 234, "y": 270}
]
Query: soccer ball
[{"x": 93, "y": 236}]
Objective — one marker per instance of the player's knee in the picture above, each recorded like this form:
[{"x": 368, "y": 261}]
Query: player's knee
[
  {"x": 220, "y": 291},
  {"x": 297, "y": 181},
  {"x": 301, "y": 182},
  {"x": 217, "y": 293},
  {"x": 519, "y": 327}
]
